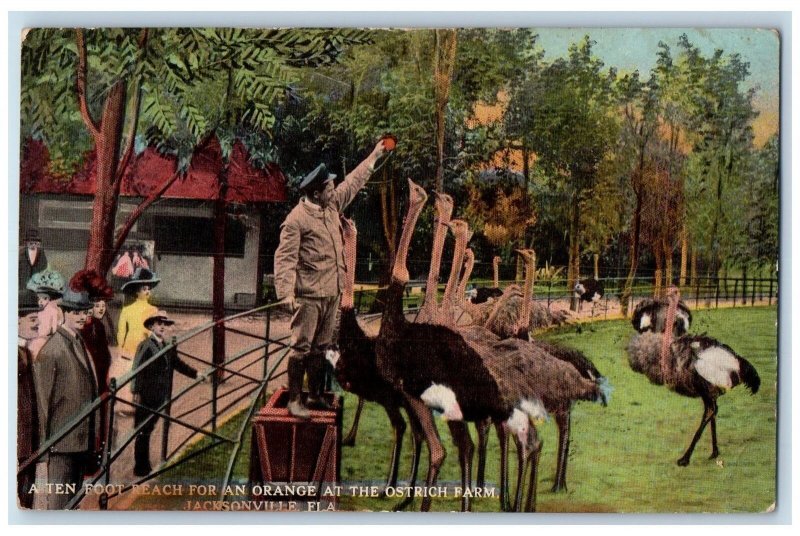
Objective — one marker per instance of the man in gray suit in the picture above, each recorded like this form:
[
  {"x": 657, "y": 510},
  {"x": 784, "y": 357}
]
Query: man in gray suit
[{"x": 66, "y": 384}]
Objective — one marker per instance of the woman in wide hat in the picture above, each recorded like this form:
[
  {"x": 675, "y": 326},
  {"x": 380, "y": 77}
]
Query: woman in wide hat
[{"x": 131, "y": 330}]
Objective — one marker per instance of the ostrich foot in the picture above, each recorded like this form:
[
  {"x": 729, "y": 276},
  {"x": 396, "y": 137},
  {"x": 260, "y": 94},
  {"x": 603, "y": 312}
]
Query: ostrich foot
[
  {"x": 684, "y": 461},
  {"x": 349, "y": 440},
  {"x": 559, "y": 487},
  {"x": 714, "y": 454}
]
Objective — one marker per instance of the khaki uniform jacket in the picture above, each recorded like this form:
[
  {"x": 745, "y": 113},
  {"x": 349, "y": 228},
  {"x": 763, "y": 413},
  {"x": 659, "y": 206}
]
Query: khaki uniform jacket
[
  {"x": 65, "y": 384},
  {"x": 309, "y": 261}
]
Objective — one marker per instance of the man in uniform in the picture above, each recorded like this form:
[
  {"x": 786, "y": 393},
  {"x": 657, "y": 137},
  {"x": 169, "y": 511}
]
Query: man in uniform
[{"x": 310, "y": 271}]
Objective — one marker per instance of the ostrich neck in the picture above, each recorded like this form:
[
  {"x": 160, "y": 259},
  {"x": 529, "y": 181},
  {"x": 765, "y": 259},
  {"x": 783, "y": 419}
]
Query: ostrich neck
[
  {"x": 350, "y": 275},
  {"x": 439, "y": 233},
  {"x": 400, "y": 270},
  {"x": 667, "y": 340},
  {"x": 527, "y": 292},
  {"x": 458, "y": 260},
  {"x": 496, "y": 268},
  {"x": 469, "y": 264}
]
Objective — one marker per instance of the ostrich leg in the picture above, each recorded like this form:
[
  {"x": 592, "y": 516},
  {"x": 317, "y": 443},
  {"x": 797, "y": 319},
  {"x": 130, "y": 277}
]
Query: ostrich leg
[
  {"x": 350, "y": 438},
  {"x": 530, "y": 504},
  {"x": 482, "y": 427},
  {"x": 708, "y": 415},
  {"x": 714, "y": 447},
  {"x": 399, "y": 427},
  {"x": 502, "y": 436},
  {"x": 466, "y": 449},
  {"x": 521, "y": 464},
  {"x": 417, "y": 438},
  {"x": 436, "y": 452},
  {"x": 562, "y": 419}
]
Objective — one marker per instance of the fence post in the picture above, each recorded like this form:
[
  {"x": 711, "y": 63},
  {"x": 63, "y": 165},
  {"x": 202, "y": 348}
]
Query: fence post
[
  {"x": 716, "y": 294},
  {"x": 770, "y": 292},
  {"x": 753, "y": 293},
  {"x": 735, "y": 290},
  {"x": 266, "y": 351},
  {"x": 549, "y": 288},
  {"x": 168, "y": 407},
  {"x": 106, "y": 460},
  {"x": 697, "y": 293}
]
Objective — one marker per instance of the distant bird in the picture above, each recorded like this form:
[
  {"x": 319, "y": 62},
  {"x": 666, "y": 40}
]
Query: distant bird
[
  {"x": 484, "y": 294},
  {"x": 696, "y": 366},
  {"x": 590, "y": 291}
]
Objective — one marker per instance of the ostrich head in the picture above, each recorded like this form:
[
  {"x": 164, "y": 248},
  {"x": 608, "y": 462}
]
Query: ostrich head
[
  {"x": 416, "y": 201},
  {"x": 444, "y": 207},
  {"x": 460, "y": 230},
  {"x": 442, "y": 398}
]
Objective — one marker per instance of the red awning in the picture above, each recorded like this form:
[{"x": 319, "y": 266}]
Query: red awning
[{"x": 150, "y": 169}]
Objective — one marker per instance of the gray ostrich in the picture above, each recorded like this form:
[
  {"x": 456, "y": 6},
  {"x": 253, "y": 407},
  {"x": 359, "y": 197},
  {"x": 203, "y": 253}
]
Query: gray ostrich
[{"x": 696, "y": 366}]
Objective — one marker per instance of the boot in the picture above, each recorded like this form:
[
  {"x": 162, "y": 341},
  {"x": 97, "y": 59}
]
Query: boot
[
  {"x": 315, "y": 365},
  {"x": 295, "y": 371}
]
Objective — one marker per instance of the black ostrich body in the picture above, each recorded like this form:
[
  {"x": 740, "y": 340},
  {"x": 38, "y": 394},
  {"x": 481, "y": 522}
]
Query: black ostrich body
[
  {"x": 357, "y": 372},
  {"x": 483, "y": 294},
  {"x": 413, "y": 356},
  {"x": 651, "y": 315},
  {"x": 589, "y": 290}
]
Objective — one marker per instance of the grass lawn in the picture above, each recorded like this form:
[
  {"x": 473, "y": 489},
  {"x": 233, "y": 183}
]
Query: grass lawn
[{"x": 622, "y": 457}]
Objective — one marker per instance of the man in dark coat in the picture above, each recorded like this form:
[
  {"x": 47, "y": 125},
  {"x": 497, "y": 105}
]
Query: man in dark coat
[
  {"x": 309, "y": 274},
  {"x": 27, "y": 412},
  {"x": 31, "y": 257},
  {"x": 152, "y": 386},
  {"x": 66, "y": 383}
]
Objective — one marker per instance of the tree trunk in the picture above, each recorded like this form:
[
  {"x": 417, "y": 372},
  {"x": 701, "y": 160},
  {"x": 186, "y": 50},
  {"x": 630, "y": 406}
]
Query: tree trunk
[
  {"x": 218, "y": 288},
  {"x": 573, "y": 262},
  {"x": 693, "y": 269},
  {"x": 657, "y": 252},
  {"x": 99, "y": 254},
  {"x": 627, "y": 290},
  {"x": 444, "y": 60},
  {"x": 667, "y": 265},
  {"x": 684, "y": 253}
]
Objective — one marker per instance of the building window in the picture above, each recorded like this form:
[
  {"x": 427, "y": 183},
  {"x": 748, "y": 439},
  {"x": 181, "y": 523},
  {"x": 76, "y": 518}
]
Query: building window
[{"x": 194, "y": 235}]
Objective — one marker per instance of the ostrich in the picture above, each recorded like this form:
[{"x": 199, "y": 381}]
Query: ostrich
[
  {"x": 354, "y": 364},
  {"x": 651, "y": 315},
  {"x": 588, "y": 290},
  {"x": 693, "y": 365}
]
